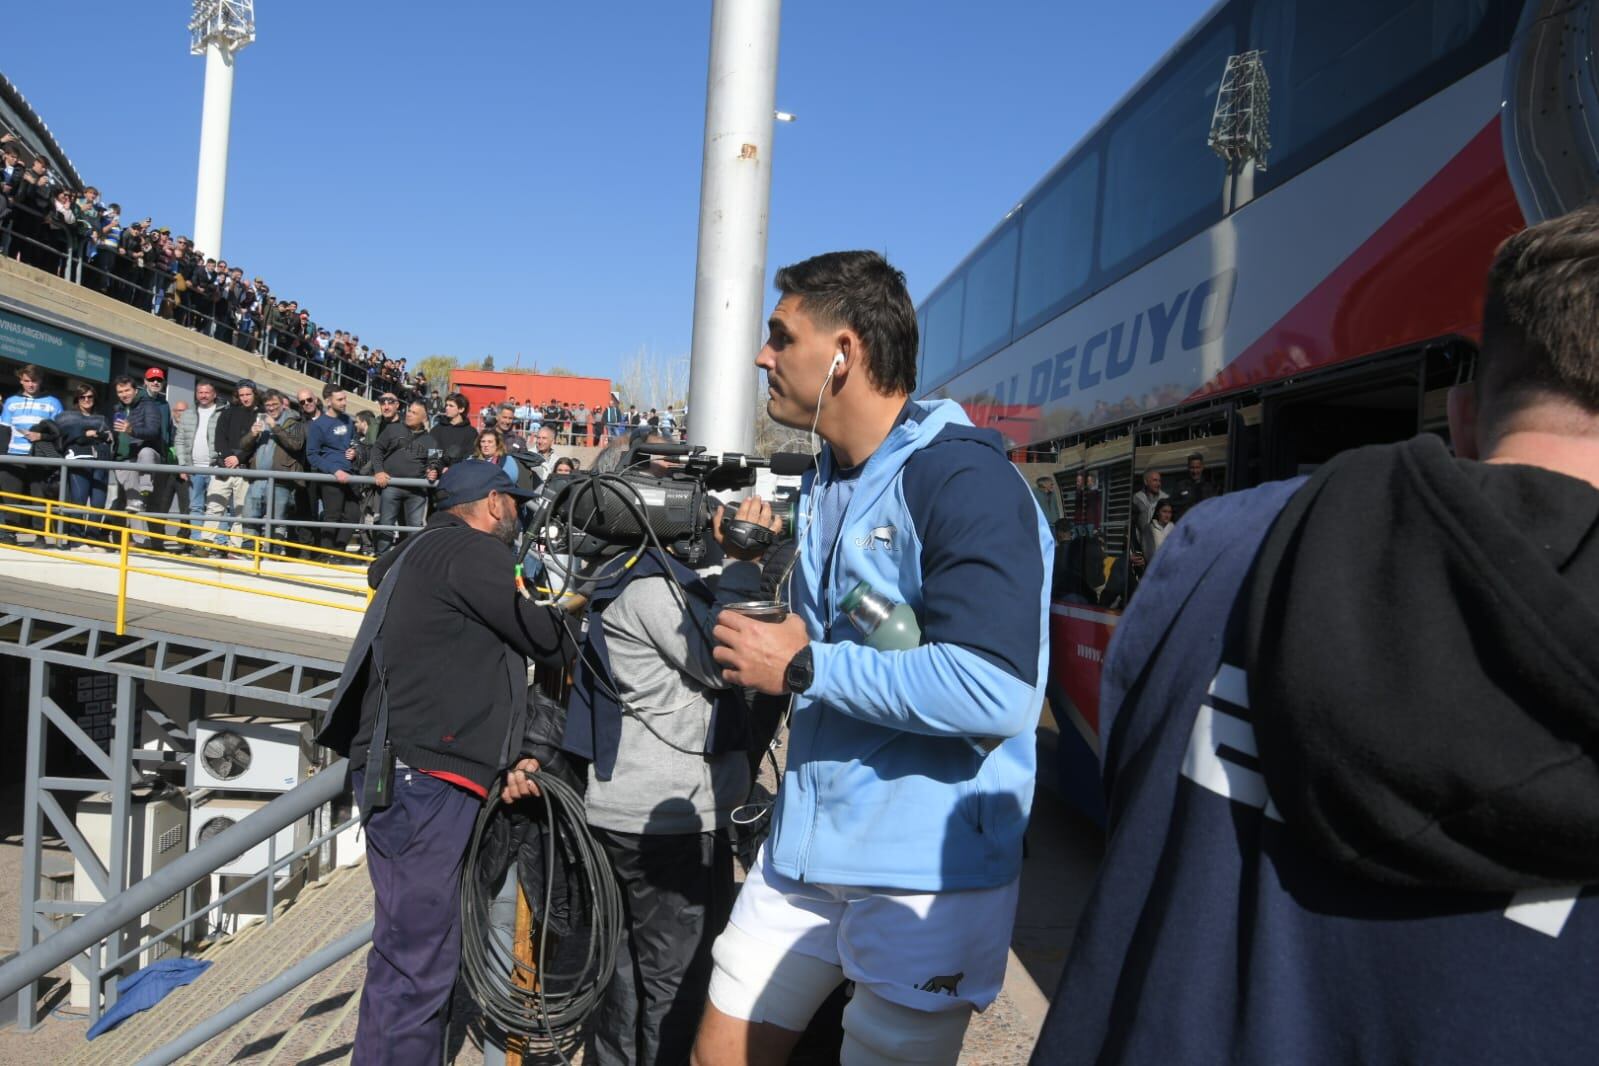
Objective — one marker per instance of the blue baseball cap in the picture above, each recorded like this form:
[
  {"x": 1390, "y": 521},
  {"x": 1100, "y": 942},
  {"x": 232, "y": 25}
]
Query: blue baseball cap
[{"x": 473, "y": 479}]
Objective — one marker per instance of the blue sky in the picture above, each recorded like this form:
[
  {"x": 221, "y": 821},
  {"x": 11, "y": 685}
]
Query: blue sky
[{"x": 502, "y": 178}]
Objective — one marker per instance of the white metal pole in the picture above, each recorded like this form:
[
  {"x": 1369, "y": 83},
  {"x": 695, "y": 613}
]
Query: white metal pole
[
  {"x": 215, "y": 117},
  {"x": 735, "y": 195}
]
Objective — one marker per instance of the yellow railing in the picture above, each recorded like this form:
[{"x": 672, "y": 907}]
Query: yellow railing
[{"x": 68, "y": 523}]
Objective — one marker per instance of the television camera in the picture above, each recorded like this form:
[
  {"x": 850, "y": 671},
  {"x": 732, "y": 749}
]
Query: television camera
[{"x": 660, "y": 495}]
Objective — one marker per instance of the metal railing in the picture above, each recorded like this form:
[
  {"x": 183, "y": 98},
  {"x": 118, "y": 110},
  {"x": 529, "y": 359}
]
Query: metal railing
[
  {"x": 128, "y": 555},
  {"x": 269, "y": 522},
  {"x": 131, "y": 280},
  {"x": 87, "y": 933}
]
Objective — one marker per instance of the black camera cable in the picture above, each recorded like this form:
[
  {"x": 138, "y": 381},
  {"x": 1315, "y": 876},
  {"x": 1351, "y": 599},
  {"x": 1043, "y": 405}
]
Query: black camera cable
[{"x": 516, "y": 998}]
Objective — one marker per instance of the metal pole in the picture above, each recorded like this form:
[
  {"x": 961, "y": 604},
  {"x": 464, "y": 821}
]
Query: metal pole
[
  {"x": 32, "y": 839},
  {"x": 215, "y": 117},
  {"x": 147, "y": 894},
  {"x": 248, "y": 1004},
  {"x": 122, "y": 746},
  {"x": 735, "y": 195}
]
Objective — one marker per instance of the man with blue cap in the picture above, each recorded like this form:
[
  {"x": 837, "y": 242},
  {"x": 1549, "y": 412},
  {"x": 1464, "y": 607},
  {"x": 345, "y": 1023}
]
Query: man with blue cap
[{"x": 431, "y": 708}]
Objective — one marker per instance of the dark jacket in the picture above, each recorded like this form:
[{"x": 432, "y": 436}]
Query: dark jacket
[
  {"x": 234, "y": 423},
  {"x": 458, "y": 442},
  {"x": 289, "y": 434},
  {"x": 149, "y": 425},
  {"x": 75, "y": 427},
  {"x": 1351, "y": 776},
  {"x": 1189, "y": 493},
  {"x": 402, "y": 453},
  {"x": 454, "y": 615}
]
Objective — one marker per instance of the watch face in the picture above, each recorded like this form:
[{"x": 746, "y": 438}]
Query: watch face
[{"x": 799, "y": 674}]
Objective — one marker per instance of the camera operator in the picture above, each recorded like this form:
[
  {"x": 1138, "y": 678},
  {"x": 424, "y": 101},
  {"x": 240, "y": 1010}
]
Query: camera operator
[
  {"x": 431, "y": 707},
  {"x": 667, "y": 737},
  {"x": 404, "y": 448}
]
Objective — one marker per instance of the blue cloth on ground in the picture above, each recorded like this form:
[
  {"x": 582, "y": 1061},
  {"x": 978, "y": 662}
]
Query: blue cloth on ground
[{"x": 144, "y": 989}]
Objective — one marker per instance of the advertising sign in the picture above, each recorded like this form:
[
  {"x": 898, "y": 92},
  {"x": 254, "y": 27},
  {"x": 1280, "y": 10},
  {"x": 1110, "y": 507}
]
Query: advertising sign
[{"x": 27, "y": 341}]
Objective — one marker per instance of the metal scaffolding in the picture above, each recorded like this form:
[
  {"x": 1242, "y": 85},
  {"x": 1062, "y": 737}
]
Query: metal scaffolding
[{"x": 47, "y": 639}]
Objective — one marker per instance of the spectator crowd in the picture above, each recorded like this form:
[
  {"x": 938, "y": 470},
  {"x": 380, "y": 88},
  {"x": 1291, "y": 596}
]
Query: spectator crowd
[
  {"x": 260, "y": 429},
  {"x": 76, "y": 235},
  {"x": 579, "y": 424}
]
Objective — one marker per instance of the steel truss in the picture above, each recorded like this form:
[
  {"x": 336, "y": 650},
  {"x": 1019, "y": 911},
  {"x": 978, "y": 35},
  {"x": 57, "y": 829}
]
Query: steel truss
[{"x": 49, "y": 639}]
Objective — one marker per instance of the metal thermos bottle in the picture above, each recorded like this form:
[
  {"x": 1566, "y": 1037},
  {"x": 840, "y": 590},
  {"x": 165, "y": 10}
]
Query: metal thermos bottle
[{"x": 886, "y": 625}]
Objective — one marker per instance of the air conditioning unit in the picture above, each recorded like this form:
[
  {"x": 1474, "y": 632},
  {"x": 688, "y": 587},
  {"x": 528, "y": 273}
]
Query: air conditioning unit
[
  {"x": 157, "y": 836},
  {"x": 208, "y": 818},
  {"x": 249, "y": 755}
]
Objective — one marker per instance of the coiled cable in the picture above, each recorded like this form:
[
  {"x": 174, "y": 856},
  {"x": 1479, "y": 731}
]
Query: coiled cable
[{"x": 548, "y": 1010}]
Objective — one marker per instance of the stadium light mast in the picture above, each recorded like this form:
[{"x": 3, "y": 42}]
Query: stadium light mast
[
  {"x": 735, "y": 197},
  {"x": 217, "y": 30}
]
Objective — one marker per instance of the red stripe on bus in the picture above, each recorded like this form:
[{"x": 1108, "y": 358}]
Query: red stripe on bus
[{"x": 1420, "y": 276}]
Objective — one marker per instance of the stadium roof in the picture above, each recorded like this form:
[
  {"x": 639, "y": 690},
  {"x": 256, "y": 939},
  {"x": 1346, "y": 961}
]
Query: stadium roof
[{"x": 19, "y": 118}]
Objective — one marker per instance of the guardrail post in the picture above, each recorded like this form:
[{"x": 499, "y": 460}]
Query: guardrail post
[
  {"x": 122, "y": 583},
  {"x": 122, "y": 745},
  {"x": 271, "y": 510},
  {"x": 61, "y": 498}
]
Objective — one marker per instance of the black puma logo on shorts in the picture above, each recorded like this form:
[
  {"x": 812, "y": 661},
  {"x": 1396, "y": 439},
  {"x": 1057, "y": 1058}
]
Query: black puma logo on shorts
[{"x": 948, "y": 984}]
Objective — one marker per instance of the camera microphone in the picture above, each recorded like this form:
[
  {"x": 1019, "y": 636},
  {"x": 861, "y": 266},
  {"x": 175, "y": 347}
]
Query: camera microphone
[{"x": 791, "y": 464}]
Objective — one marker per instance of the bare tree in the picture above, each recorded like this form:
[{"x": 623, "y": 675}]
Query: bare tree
[
  {"x": 769, "y": 435},
  {"x": 649, "y": 380}
]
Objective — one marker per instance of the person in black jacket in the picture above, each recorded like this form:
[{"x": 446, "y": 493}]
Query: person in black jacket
[
  {"x": 142, "y": 426},
  {"x": 456, "y": 434},
  {"x": 86, "y": 434},
  {"x": 1349, "y": 733},
  {"x": 235, "y": 422},
  {"x": 404, "y": 448},
  {"x": 456, "y": 637}
]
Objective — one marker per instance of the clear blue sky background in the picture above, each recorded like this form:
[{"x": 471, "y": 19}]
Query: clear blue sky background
[{"x": 496, "y": 177}]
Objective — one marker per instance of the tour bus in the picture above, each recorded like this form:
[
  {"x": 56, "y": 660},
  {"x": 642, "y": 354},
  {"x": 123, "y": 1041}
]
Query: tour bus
[{"x": 1271, "y": 250}]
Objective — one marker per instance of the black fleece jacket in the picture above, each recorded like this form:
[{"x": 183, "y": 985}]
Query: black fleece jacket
[
  {"x": 1426, "y": 632},
  {"x": 453, "y": 614}
]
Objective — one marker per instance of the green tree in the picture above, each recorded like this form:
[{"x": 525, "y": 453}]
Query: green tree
[
  {"x": 437, "y": 368},
  {"x": 488, "y": 362}
]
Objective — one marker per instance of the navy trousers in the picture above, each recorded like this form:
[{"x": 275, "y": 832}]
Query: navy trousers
[{"x": 414, "y": 852}]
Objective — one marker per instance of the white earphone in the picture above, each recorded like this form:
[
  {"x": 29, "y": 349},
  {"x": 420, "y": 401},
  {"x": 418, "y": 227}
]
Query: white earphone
[{"x": 838, "y": 361}]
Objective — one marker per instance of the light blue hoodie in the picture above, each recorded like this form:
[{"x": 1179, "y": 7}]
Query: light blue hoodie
[{"x": 888, "y": 784}]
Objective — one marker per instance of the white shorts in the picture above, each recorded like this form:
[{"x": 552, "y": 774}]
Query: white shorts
[{"x": 931, "y": 952}]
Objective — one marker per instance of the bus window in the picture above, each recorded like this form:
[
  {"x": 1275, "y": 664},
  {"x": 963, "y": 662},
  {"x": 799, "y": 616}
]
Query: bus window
[
  {"x": 1304, "y": 428},
  {"x": 1161, "y": 180},
  {"x": 1339, "y": 70},
  {"x": 941, "y": 344},
  {"x": 990, "y": 295},
  {"x": 1057, "y": 244}
]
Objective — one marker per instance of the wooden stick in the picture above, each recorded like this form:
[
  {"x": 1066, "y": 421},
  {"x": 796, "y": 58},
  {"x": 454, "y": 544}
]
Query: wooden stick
[{"x": 523, "y": 951}]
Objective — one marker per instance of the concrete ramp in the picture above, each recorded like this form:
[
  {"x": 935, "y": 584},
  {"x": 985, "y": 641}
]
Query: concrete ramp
[{"x": 314, "y": 1024}]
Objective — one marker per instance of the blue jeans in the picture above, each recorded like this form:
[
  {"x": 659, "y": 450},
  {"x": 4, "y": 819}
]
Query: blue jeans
[
  {"x": 88, "y": 486},
  {"x": 399, "y": 507},
  {"x": 255, "y": 505},
  {"x": 199, "y": 485}
]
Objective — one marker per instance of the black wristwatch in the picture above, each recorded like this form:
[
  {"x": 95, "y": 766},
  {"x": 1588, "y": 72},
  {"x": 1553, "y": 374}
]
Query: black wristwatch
[{"x": 800, "y": 672}]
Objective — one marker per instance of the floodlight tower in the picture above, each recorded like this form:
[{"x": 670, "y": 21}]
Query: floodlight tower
[{"x": 218, "y": 30}]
